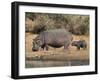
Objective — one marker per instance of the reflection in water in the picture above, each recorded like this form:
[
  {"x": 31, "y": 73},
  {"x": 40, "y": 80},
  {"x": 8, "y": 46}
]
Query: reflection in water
[{"x": 32, "y": 64}]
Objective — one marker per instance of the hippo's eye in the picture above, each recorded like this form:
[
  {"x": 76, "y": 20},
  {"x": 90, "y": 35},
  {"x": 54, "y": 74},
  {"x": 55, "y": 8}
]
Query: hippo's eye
[{"x": 36, "y": 42}]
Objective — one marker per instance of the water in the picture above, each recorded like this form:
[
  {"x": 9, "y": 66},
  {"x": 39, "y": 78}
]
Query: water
[{"x": 33, "y": 64}]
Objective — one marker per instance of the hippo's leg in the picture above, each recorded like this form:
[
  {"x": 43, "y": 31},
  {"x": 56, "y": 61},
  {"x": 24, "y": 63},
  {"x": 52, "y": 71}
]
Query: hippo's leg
[
  {"x": 43, "y": 46},
  {"x": 85, "y": 46},
  {"x": 78, "y": 47},
  {"x": 66, "y": 44},
  {"x": 47, "y": 47}
]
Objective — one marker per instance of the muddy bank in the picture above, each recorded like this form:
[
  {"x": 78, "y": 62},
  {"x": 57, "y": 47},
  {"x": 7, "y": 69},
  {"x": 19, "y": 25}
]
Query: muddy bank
[{"x": 55, "y": 56}]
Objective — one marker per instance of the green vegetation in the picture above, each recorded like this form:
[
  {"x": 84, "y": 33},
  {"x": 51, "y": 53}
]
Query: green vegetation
[{"x": 38, "y": 22}]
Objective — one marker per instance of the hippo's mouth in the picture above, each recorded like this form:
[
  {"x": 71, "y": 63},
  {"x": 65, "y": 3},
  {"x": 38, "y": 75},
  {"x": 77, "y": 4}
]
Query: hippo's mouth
[{"x": 35, "y": 47}]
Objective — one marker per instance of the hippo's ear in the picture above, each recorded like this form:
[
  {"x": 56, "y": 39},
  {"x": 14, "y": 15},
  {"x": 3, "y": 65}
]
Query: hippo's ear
[
  {"x": 72, "y": 43},
  {"x": 34, "y": 40}
]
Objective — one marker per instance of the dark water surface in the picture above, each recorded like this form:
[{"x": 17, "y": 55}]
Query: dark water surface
[{"x": 32, "y": 64}]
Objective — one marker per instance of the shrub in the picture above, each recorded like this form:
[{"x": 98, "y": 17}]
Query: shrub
[{"x": 76, "y": 24}]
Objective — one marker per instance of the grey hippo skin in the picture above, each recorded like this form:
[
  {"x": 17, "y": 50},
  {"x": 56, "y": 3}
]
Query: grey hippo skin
[
  {"x": 80, "y": 44},
  {"x": 55, "y": 38}
]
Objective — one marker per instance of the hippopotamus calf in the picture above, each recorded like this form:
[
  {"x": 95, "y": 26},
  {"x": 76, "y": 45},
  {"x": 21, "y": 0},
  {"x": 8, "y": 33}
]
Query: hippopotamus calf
[
  {"x": 80, "y": 44},
  {"x": 55, "y": 38}
]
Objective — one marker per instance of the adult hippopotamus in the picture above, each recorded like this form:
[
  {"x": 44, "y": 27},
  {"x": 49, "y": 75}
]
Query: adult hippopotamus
[{"x": 55, "y": 38}]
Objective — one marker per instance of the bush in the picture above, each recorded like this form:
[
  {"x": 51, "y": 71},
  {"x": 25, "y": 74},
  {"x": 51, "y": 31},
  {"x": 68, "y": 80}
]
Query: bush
[
  {"x": 76, "y": 24},
  {"x": 39, "y": 28}
]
